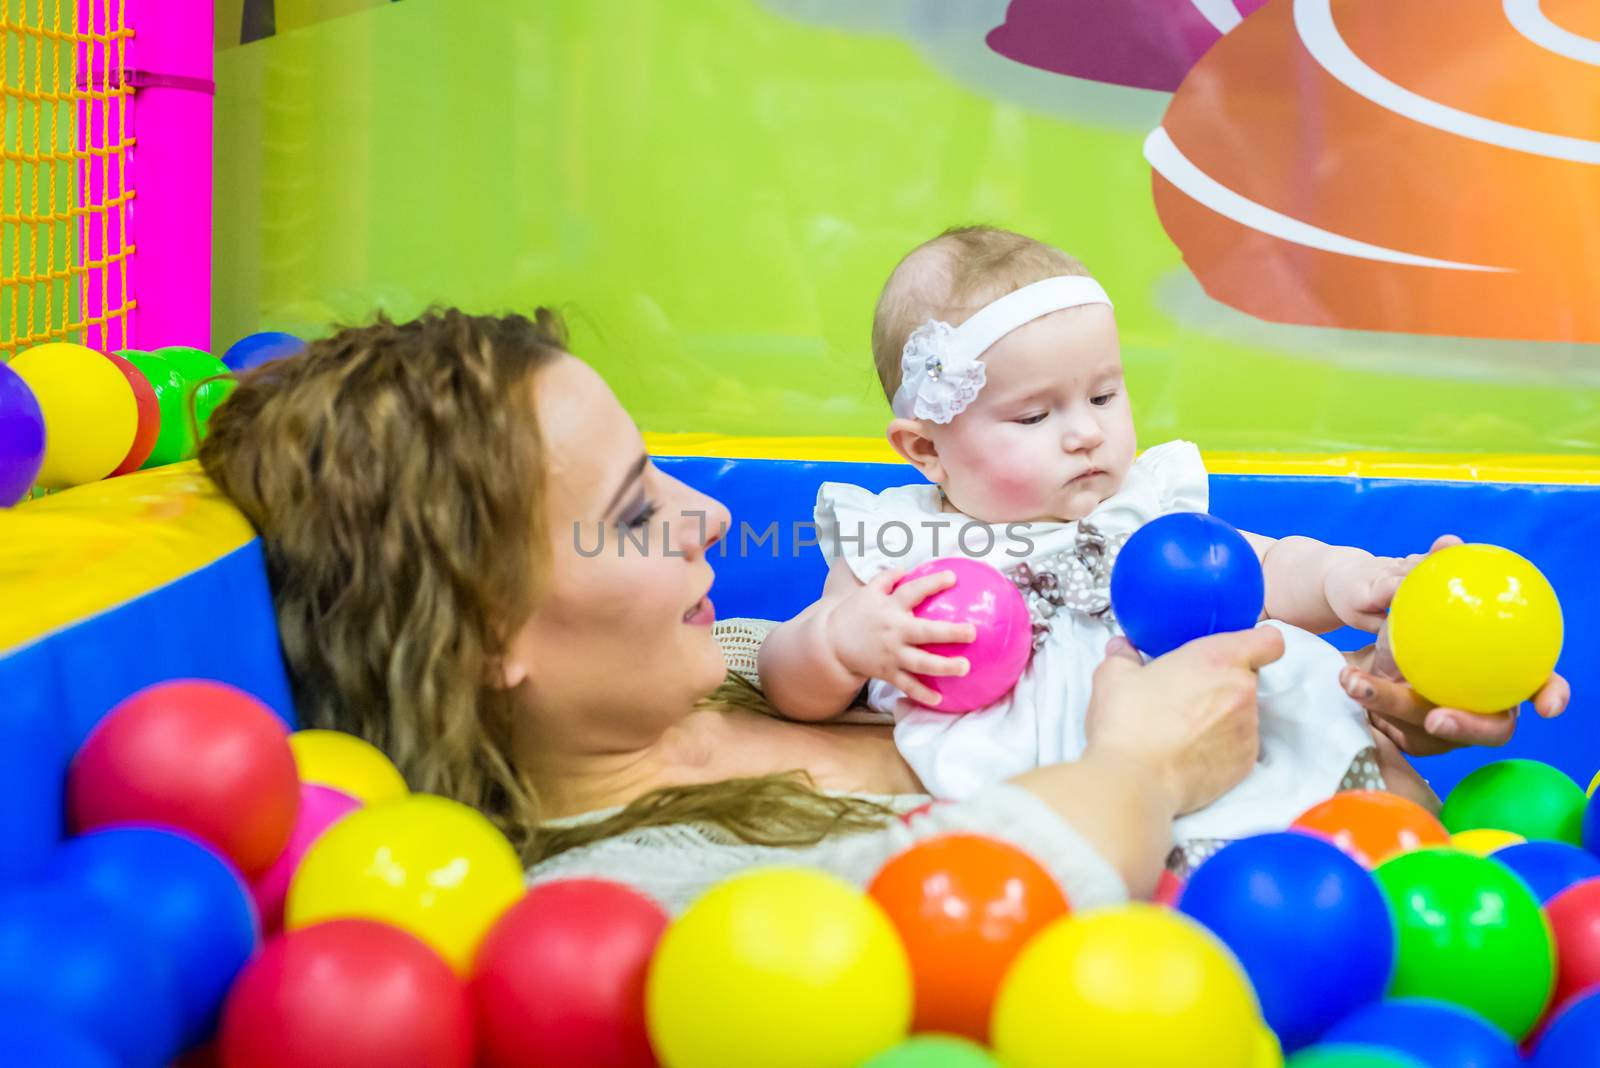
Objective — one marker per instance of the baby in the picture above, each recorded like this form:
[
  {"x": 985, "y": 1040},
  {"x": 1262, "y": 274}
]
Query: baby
[{"x": 1000, "y": 358}]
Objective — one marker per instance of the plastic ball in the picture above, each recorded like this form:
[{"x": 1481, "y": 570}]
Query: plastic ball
[
  {"x": 560, "y": 977},
  {"x": 207, "y": 383},
  {"x": 1593, "y": 783},
  {"x": 186, "y": 399},
  {"x": 425, "y": 864},
  {"x": 995, "y": 607},
  {"x": 348, "y": 764},
  {"x": 1484, "y": 841},
  {"x": 803, "y": 970},
  {"x": 1307, "y": 923},
  {"x": 1436, "y": 1033},
  {"x": 1535, "y": 800},
  {"x": 1269, "y": 1051},
  {"x": 256, "y": 349},
  {"x": 67, "y": 959},
  {"x": 22, "y": 438},
  {"x": 90, "y": 415},
  {"x": 320, "y": 808},
  {"x": 1476, "y": 627},
  {"x": 29, "y": 1042},
  {"x": 1591, "y": 826},
  {"x": 1345, "y": 1056},
  {"x": 188, "y": 901},
  {"x": 148, "y": 427},
  {"x": 348, "y": 994},
  {"x": 1182, "y": 577},
  {"x": 1572, "y": 1037},
  {"x": 1471, "y": 933},
  {"x": 1549, "y": 867},
  {"x": 1125, "y": 986},
  {"x": 1169, "y": 889},
  {"x": 200, "y": 756},
  {"x": 1575, "y": 922},
  {"x": 1372, "y": 825},
  {"x": 934, "y": 1051},
  {"x": 964, "y": 905}
]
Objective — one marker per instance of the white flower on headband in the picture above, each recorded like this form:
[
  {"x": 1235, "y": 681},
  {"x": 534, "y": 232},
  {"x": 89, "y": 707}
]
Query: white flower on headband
[{"x": 937, "y": 377}]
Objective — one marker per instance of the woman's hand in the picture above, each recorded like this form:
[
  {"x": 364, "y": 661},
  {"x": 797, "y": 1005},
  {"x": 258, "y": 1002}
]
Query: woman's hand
[
  {"x": 1419, "y": 727},
  {"x": 1189, "y": 718}
]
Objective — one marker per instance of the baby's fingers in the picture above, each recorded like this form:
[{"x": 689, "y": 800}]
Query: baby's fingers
[
  {"x": 935, "y": 632},
  {"x": 925, "y": 663},
  {"x": 918, "y": 691},
  {"x": 915, "y": 592}
]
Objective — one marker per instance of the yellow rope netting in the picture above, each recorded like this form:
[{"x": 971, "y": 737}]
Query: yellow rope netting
[{"x": 63, "y": 174}]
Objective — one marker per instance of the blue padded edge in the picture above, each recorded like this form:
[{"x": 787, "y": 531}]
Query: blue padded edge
[
  {"x": 1555, "y": 526},
  {"x": 216, "y": 623}
]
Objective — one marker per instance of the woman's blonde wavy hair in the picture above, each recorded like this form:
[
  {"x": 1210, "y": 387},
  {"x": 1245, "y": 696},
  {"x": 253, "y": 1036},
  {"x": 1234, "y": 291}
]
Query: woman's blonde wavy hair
[{"x": 389, "y": 469}]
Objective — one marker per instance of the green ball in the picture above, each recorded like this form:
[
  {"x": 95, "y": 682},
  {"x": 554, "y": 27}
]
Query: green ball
[
  {"x": 1343, "y": 1056},
  {"x": 934, "y": 1051},
  {"x": 179, "y": 376},
  {"x": 1469, "y": 932},
  {"x": 1535, "y": 800}
]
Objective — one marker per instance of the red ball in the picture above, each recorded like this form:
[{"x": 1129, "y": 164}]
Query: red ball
[
  {"x": 199, "y": 756},
  {"x": 347, "y": 994},
  {"x": 964, "y": 905},
  {"x": 560, "y": 978},
  {"x": 1169, "y": 888},
  {"x": 1575, "y": 920},
  {"x": 148, "y": 428}
]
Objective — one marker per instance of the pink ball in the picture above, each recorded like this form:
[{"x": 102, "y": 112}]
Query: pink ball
[
  {"x": 987, "y": 599},
  {"x": 320, "y": 808}
]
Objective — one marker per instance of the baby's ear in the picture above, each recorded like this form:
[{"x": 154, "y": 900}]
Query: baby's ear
[{"x": 910, "y": 438}]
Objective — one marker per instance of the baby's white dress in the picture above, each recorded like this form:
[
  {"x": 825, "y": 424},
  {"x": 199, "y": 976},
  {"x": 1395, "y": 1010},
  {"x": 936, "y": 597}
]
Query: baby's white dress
[{"x": 1312, "y": 733}]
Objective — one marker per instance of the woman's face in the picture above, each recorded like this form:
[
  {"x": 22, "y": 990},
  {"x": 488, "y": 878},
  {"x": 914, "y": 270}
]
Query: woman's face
[{"x": 619, "y": 647}]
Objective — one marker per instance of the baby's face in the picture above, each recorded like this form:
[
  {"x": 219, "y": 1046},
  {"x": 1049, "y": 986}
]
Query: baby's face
[{"x": 1051, "y": 434}]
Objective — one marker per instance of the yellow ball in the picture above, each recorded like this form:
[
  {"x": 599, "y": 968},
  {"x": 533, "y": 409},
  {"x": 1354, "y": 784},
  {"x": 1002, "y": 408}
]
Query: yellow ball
[
  {"x": 1476, "y": 627},
  {"x": 1126, "y": 987},
  {"x": 90, "y": 415},
  {"x": 1482, "y": 841},
  {"x": 346, "y": 763},
  {"x": 1593, "y": 783},
  {"x": 1269, "y": 1051},
  {"x": 781, "y": 967},
  {"x": 424, "y": 864}
]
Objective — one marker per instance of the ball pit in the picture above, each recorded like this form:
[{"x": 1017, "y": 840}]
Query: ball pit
[
  {"x": 1184, "y": 576},
  {"x": 985, "y": 598},
  {"x": 1307, "y": 923},
  {"x": 1527, "y": 797},
  {"x": 964, "y": 905},
  {"x": 1470, "y": 933}
]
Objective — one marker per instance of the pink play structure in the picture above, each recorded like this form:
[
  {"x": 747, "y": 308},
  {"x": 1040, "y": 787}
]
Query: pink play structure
[{"x": 144, "y": 185}]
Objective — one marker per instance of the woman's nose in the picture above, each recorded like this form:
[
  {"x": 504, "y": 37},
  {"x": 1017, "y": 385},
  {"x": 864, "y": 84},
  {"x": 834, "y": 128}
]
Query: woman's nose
[{"x": 704, "y": 523}]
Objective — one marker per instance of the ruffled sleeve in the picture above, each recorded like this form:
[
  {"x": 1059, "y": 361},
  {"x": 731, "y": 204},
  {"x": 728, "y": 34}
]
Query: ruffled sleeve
[
  {"x": 1167, "y": 478},
  {"x": 875, "y": 531}
]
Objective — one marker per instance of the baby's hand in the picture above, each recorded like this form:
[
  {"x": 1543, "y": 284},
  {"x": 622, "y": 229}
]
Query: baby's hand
[
  {"x": 875, "y": 634},
  {"x": 1360, "y": 588}
]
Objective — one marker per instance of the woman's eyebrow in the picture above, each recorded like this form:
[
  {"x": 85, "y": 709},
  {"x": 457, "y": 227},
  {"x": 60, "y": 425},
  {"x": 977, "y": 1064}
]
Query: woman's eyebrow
[{"x": 633, "y": 476}]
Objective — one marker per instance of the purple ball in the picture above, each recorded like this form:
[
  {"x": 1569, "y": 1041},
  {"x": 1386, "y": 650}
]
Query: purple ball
[{"x": 21, "y": 437}]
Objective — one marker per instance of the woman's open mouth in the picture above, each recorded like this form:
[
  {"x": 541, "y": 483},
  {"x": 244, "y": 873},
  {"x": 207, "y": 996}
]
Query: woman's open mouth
[{"x": 701, "y": 614}]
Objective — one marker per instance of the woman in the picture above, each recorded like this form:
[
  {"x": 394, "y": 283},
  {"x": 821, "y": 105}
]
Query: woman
[{"x": 431, "y": 496}]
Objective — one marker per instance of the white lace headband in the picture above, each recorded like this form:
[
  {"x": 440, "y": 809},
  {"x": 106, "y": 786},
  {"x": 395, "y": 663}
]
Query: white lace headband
[{"x": 941, "y": 366}]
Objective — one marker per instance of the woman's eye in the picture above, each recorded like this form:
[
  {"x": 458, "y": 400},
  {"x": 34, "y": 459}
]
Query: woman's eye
[{"x": 640, "y": 516}]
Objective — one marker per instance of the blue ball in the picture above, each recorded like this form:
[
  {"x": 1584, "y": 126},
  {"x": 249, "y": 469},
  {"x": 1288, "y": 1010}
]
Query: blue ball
[
  {"x": 1573, "y": 1037},
  {"x": 64, "y": 956},
  {"x": 257, "y": 349},
  {"x": 1436, "y": 1034},
  {"x": 1309, "y": 925},
  {"x": 190, "y": 904},
  {"x": 1591, "y": 824},
  {"x": 28, "y": 1042},
  {"x": 1549, "y": 867},
  {"x": 1183, "y": 576}
]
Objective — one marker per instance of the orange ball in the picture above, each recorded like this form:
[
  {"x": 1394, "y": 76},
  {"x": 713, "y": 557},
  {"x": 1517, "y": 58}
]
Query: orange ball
[
  {"x": 964, "y": 905},
  {"x": 1372, "y": 825}
]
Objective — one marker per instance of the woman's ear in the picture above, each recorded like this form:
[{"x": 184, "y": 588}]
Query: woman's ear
[
  {"x": 510, "y": 669},
  {"x": 909, "y": 438}
]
